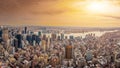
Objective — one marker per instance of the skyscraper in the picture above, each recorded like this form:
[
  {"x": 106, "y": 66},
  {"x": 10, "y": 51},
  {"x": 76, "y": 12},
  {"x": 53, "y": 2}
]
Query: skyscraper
[
  {"x": 62, "y": 36},
  {"x": 68, "y": 52},
  {"x": 15, "y": 43},
  {"x": 58, "y": 38},
  {"x": 44, "y": 46},
  {"x": 66, "y": 37},
  {"x": 25, "y": 30},
  {"x": 48, "y": 42},
  {"x": 29, "y": 39},
  {"x": 19, "y": 40},
  {"x": 0, "y": 35},
  {"x": 33, "y": 39},
  {"x": 39, "y": 33},
  {"x": 54, "y": 36},
  {"x": 38, "y": 40},
  {"x": 71, "y": 37},
  {"x": 5, "y": 35},
  {"x": 44, "y": 37}
]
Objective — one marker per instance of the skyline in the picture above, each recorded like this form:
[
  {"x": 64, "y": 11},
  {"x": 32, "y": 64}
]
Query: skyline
[{"x": 80, "y": 13}]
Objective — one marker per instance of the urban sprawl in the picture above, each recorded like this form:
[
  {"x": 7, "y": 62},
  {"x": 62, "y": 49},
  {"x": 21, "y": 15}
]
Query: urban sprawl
[{"x": 30, "y": 48}]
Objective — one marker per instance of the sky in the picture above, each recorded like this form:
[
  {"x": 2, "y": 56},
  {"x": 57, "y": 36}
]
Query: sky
[{"x": 83, "y": 13}]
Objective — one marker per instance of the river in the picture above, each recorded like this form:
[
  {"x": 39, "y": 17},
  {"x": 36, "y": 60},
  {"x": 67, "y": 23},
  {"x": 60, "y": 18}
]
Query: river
[{"x": 97, "y": 33}]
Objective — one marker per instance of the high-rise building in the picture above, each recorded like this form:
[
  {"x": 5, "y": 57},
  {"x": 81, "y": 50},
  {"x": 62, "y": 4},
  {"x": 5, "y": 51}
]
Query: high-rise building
[
  {"x": 38, "y": 40},
  {"x": 29, "y": 39},
  {"x": 58, "y": 38},
  {"x": 0, "y": 35},
  {"x": 116, "y": 59},
  {"x": 44, "y": 46},
  {"x": 25, "y": 30},
  {"x": 54, "y": 36},
  {"x": 15, "y": 43},
  {"x": 44, "y": 37},
  {"x": 48, "y": 42},
  {"x": 68, "y": 52},
  {"x": 71, "y": 37},
  {"x": 66, "y": 37},
  {"x": 19, "y": 40},
  {"x": 89, "y": 55},
  {"x": 33, "y": 39},
  {"x": 39, "y": 33},
  {"x": 62, "y": 36},
  {"x": 5, "y": 34}
]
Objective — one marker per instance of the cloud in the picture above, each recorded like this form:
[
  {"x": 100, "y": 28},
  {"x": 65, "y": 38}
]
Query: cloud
[
  {"x": 34, "y": 7},
  {"x": 14, "y": 6},
  {"x": 110, "y": 16},
  {"x": 8, "y": 6},
  {"x": 48, "y": 12}
]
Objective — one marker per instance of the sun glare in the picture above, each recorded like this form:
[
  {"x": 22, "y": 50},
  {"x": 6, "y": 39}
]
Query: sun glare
[
  {"x": 93, "y": 6},
  {"x": 97, "y": 7}
]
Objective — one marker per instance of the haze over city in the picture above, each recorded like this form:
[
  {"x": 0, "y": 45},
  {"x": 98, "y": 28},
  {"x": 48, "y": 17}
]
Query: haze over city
[{"x": 81, "y": 13}]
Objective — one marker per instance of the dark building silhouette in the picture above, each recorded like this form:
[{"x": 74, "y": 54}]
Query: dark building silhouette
[
  {"x": 39, "y": 33},
  {"x": 38, "y": 40},
  {"x": 31, "y": 32},
  {"x": 15, "y": 44},
  {"x": 0, "y": 35},
  {"x": 33, "y": 38},
  {"x": 25, "y": 30},
  {"x": 58, "y": 38},
  {"x": 0, "y": 32},
  {"x": 29, "y": 39},
  {"x": 19, "y": 40},
  {"x": 71, "y": 37}
]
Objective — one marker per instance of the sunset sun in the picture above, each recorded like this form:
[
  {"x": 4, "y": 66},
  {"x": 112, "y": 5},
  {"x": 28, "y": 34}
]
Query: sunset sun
[{"x": 98, "y": 7}]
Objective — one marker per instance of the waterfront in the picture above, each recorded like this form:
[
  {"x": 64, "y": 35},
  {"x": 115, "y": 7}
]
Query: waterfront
[{"x": 97, "y": 34}]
